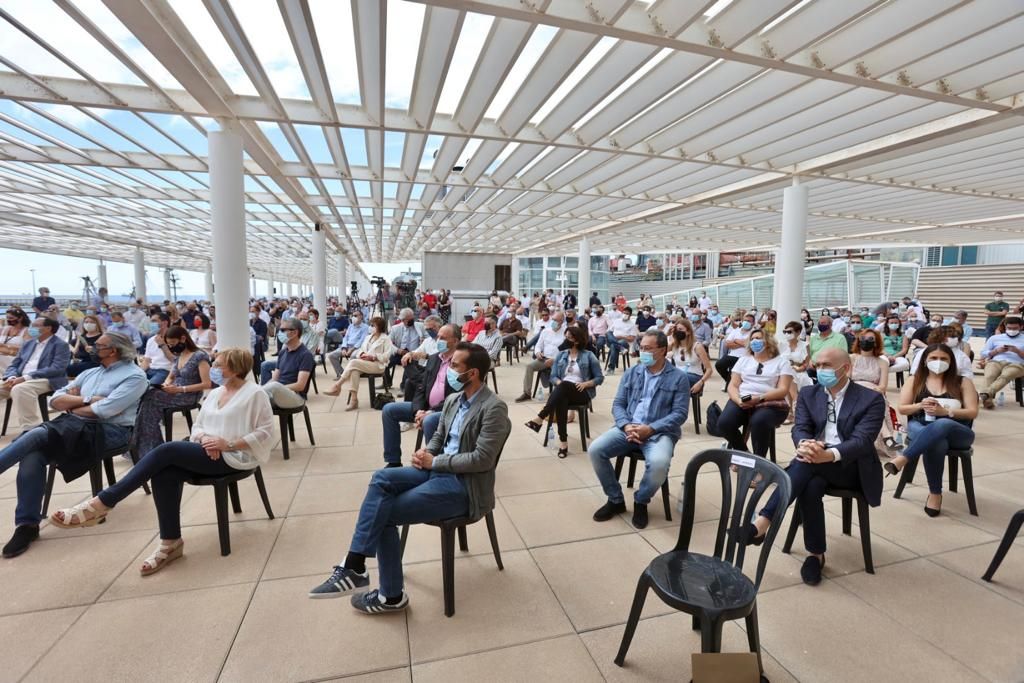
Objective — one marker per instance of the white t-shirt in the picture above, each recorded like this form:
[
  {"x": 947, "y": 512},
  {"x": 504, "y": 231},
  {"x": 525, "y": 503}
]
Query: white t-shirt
[
  {"x": 157, "y": 359},
  {"x": 738, "y": 334},
  {"x": 760, "y": 384},
  {"x": 838, "y": 325},
  {"x": 622, "y": 329},
  {"x": 797, "y": 355}
]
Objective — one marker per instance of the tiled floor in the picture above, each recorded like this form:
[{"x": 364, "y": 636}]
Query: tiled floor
[{"x": 75, "y": 608}]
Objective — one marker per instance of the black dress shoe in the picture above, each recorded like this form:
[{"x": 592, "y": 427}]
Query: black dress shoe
[
  {"x": 21, "y": 540},
  {"x": 810, "y": 572},
  {"x": 609, "y": 510},
  {"x": 523, "y": 397},
  {"x": 640, "y": 515}
]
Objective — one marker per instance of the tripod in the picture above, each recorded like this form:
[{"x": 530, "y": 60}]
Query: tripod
[{"x": 88, "y": 291}]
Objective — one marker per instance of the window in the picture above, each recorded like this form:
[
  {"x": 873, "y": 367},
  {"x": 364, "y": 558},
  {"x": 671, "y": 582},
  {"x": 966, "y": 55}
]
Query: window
[
  {"x": 950, "y": 256},
  {"x": 969, "y": 256}
]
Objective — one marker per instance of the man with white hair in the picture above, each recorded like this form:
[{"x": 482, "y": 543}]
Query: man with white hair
[
  {"x": 544, "y": 357},
  {"x": 406, "y": 336}
]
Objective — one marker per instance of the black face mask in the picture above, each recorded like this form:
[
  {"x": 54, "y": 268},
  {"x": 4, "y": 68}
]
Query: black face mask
[
  {"x": 565, "y": 346},
  {"x": 410, "y": 323},
  {"x": 867, "y": 343},
  {"x": 679, "y": 335},
  {"x": 177, "y": 348}
]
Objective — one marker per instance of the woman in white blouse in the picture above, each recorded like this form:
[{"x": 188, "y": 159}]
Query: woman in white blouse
[
  {"x": 371, "y": 360},
  {"x": 794, "y": 350},
  {"x": 234, "y": 431},
  {"x": 758, "y": 391}
]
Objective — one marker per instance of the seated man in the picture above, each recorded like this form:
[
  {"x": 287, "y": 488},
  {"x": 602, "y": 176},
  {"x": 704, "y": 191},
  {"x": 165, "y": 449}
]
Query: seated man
[
  {"x": 406, "y": 336},
  {"x": 100, "y": 405},
  {"x": 551, "y": 337},
  {"x": 289, "y": 382},
  {"x": 121, "y": 326},
  {"x": 40, "y": 366},
  {"x": 837, "y": 422},
  {"x": 597, "y": 328},
  {"x": 474, "y": 326},
  {"x": 415, "y": 361},
  {"x": 490, "y": 339},
  {"x": 650, "y": 407},
  {"x": 337, "y": 326},
  {"x": 511, "y": 329},
  {"x": 157, "y": 359},
  {"x": 623, "y": 332},
  {"x": 453, "y": 476},
  {"x": 425, "y": 402},
  {"x": 539, "y": 325},
  {"x": 350, "y": 343},
  {"x": 1003, "y": 360}
]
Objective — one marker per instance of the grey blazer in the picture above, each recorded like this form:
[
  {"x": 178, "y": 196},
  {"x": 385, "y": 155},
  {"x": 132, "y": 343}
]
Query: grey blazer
[{"x": 484, "y": 431}]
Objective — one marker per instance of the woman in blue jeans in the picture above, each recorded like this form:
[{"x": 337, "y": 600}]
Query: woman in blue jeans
[{"x": 941, "y": 406}]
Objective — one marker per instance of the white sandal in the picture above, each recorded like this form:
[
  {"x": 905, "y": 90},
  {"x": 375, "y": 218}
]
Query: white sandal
[
  {"x": 161, "y": 557},
  {"x": 75, "y": 517}
]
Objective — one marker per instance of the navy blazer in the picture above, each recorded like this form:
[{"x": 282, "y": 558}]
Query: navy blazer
[
  {"x": 859, "y": 422},
  {"x": 590, "y": 368},
  {"x": 53, "y": 363}
]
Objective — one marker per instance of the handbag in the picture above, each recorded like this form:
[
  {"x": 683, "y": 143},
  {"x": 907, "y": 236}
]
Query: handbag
[
  {"x": 381, "y": 399},
  {"x": 711, "y": 420}
]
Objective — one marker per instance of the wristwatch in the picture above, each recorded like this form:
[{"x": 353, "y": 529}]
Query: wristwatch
[
  {"x": 86, "y": 400},
  {"x": 231, "y": 445}
]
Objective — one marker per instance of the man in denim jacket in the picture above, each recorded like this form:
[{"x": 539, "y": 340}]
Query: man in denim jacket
[{"x": 649, "y": 409}]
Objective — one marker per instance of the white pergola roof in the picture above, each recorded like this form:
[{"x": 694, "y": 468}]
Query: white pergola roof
[{"x": 665, "y": 125}]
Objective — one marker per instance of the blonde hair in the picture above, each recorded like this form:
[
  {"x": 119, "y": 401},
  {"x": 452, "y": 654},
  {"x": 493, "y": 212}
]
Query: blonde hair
[
  {"x": 237, "y": 360},
  {"x": 687, "y": 344}
]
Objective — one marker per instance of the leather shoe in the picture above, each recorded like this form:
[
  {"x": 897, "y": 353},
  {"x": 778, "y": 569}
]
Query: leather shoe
[
  {"x": 640, "y": 515},
  {"x": 810, "y": 572},
  {"x": 523, "y": 397},
  {"x": 21, "y": 540},
  {"x": 609, "y": 510}
]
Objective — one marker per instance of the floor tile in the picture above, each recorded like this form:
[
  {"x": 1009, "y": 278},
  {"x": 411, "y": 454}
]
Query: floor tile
[
  {"x": 400, "y": 675},
  {"x": 536, "y": 475},
  {"x": 559, "y": 516},
  {"x": 330, "y": 493},
  {"x": 24, "y": 638},
  {"x": 563, "y": 658},
  {"x": 972, "y": 562}
]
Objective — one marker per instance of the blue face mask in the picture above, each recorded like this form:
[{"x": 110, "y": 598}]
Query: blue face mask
[
  {"x": 646, "y": 359},
  {"x": 757, "y": 345},
  {"x": 454, "y": 379},
  {"x": 217, "y": 376},
  {"x": 554, "y": 325},
  {"x": 745, "y": 325},
  {"x": 442, "y": 346},
  {"x": 828, "y": 378},
  {"x": 33, "y": 332},
  {"x": 282, "y": 337}
]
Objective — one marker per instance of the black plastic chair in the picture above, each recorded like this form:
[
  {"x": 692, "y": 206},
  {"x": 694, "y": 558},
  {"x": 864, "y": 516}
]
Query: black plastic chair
[
  {"x": 899, "y": 379},
  {"x": 371, "y": 382},
  {"x": 713, "y": 588},
  {"x": 954, "y": 458},
  {"x": 44, "y": 410},
  {"x": 186, "y": 411},
  {"x": 695, "y": 409},
  {"x": 449, "y": 528},
  {"x": 771, "y": 441},
  {"x": 581, "y": 417},
  {"x": 99, "y": 467},
  {"x": 1018, "y": 390},
  {"x": 546, "y": 372},
  {"x": 227, "y": 485},
  {"x": 863, "y": 519},
  {"x": 287, "y": 424},
  {"x": 494, "y": 377},
  {"x": 1004, "y": 546},
  {"x": 511, "y": 349},
  {"x": 634, "y": 456}
]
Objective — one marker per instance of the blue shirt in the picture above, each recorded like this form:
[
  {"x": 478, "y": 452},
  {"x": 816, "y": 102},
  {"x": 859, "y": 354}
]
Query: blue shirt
[
  {"x": 355, "y": 335},
  {"x": 451, "y": 446},
  {"x": 651, "y": 381},
  {"x": 998, "y": 340},
  {"x": 121, "y": 385}
]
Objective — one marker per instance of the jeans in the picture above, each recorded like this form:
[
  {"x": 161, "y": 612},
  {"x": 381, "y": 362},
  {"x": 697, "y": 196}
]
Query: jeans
[
  {"x": 934, "y": 440},
  {"x": 396, "y": 413},
  {"x": 402, "y": 495},
  {"x": 615, "y": 346},
  {"x": 808, "y": 483},
  {"x": 760, "y": 423},
  {"x": 267, "y": 368},
  {"x": 657, "y": 456},
  {"x": 169, "y": 466},
  {"x": 28, "y": 450},
  {"x": 157, "y": 377}
]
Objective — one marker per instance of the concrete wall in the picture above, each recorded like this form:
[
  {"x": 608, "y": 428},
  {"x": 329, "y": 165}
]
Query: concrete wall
[{"x": 464, "y": 272}]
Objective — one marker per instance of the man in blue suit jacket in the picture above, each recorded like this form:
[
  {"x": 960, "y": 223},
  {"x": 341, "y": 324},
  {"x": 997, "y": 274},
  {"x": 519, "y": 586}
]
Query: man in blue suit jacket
[
  {"x": 837, "y": 422},
  {"x": 650, "y": 407},
  {"x": 41, "y": 366}
]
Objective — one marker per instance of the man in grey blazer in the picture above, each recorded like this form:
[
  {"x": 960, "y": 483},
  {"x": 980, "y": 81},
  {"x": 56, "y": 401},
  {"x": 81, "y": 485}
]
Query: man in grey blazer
[
  {"x": 453, "y": 476},
  {"x": 41, "y": 366}
]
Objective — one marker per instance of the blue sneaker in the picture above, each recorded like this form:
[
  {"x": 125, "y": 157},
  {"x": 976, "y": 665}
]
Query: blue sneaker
[
  {"x": 372, "y": 602},
  {"x": 339, "y": 583}
]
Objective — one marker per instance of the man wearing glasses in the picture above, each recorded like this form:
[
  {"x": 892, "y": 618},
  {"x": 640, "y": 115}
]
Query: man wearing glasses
[
  {"x": 650, "y": 407},
  {"x": 837, "y": 422}
]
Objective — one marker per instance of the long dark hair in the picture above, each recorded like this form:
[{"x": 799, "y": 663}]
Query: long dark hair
[
  {"x": 177, "y": 332},
  {"x": 951, "y": 380}
]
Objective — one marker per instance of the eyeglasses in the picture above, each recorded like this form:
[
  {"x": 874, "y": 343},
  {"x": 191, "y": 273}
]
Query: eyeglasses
[{"x": 831, "y": 416}]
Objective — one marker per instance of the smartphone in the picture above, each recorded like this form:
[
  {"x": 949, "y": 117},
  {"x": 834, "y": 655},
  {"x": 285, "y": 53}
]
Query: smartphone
[{"x": 745, "y": 399}]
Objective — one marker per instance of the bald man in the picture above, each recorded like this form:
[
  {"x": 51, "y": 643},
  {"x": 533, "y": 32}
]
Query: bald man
[{"x": 837, "y": 422}]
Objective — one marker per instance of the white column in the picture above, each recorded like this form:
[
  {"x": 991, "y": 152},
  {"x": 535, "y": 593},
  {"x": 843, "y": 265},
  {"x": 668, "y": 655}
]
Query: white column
[
  {"x": 320, "y": 268},
  {"x": 583, "y": 297},
  {"x": 102, "y": 276},
  {"x": 167, "y": 284},
  {"x": 788, "y": 292},
  {"x": 515, "y": 276},
  {"x": 342, "y": 276},
  {"x": 230, "y": 269},
  {"x": 288, "y": 289},
  {"x": 270, "y": 287},
  {"x": 208, "y": 281},
  {"x": 140, "y": 275}
]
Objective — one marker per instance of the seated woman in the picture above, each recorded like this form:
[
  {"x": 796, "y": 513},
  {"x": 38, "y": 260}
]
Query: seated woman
[
  {"x": 794, "y": 350},
  {"x": 185, "y": 384},
  {"x": 951, "y": 335},
  {"x": 203, "y": 336},
  {"x": 371, "y": 359},
  {"x": 941, "y": 406},
  {"x": 82, "y": 353},
  {"x": 574, "y": 375},
  {"x": 234, "y": 431},
  {"x": 758, "y": 390},
  {"x": 871, "y": 370},
  {"x": 688, "y": 355},
  {"x": 895, "y": 345},
  {"x": 14, "y": 334}
]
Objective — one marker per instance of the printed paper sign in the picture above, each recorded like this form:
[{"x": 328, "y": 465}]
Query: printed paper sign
[{"x": 742, "y": 461}]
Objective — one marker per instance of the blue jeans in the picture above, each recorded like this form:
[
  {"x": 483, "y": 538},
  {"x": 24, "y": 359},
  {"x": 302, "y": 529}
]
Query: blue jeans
[
  {"x": 934, "y": 440},
  {"x": 27, "y": 452},
  {"x": 267, "y": 368},
  {"x": 396, "y": 413},
  {"x": 657, "y": 456},
  {"x": 157, "y": 377},
  {"x": 614, "y": 347},
  {"x": 402, "y": 495}
]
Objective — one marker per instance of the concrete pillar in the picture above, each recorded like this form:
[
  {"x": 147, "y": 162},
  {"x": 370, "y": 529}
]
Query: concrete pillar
[
  {"x": 167, "y": 284},
  {"x": 101, "y": 279},
  {"x": 319, "y": 268},
  {"x": 288, "y": 289},
  {"x": 583, "y": 296},
  {"x": 788, "y": 290},
  {"x": 342, "y": 276},
  {"x": 270, "y": 287},
  {"x": 139, "y": 262},
  {"x": 516, "y": 290},
  {"x": 230, "y": 269},
  {"x": 208, "y": 281}
]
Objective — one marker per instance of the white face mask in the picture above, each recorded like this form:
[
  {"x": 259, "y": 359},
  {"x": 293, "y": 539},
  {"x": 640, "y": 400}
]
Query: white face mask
[
  {"x": 788, "y": 335},
  {"x": 1012, "y": 333},
  {"x": 89, "y": 327},
  {"x": 939, "y": 367},
  {"x": 933, "y": 324},
  {"x": 952, "y": 342}
]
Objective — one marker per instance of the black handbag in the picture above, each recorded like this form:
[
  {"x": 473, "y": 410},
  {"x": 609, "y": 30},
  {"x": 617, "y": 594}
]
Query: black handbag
[
  {"x": 711, "y": 421},
  {"x": 381, "y": 399}
]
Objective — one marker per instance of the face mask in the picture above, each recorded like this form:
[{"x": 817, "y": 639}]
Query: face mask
[
  {"x": 933, "y": 324},
  {"x": 409, "y": 323},
  {"x": 824, "y": 328},
  {"x": 33, "y": 332},
  {"x": 600, "y": 313},
  {"x": 217, "y": 376},
  {"x": 565, "y": 345},
  {"x": 680, "y": 335},
  {"x": 252, "y": 316},
  {"x": 554, "y": 325},
  {"x": 89, "y": 327},
  {"x": 828, "y": 378},
  {"x": 846, "y": 319},
  {"x": 282, "y": 337},
  {"x": 867, "y": 343},
  {"x": 646, "y": 359},
  {"x": 757, "y": 346},
  {"x": 91, "y": 311},
  {"x": 952, "y": 342},
  {"x": 432, "y": 334},
  {"x": 939, "y": 367},
  {"x": 788, "y": 335},
  {"x": 442, "y": 345},
  {"x": 356, "y": 320},
  {"x": 998, "y": 299},
  {"x": 745, "y": 325},
  {"x": 894, "y": 326},
  {"x": 660, "y": 324},
  {"x": 454, "y": 379},
  {"x": 804, "y": 316},
  {"x": 855, "y": 326},
  {"x": 1012, "y": 333},
  {"x": 177, "y": 348}
]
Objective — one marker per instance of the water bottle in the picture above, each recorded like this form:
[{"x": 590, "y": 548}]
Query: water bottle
[
  {"x": 1001, "y": 399},
  {"x": 552, "y": 441}
]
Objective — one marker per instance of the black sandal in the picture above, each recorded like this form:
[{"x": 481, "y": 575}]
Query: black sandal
[
  {"x": 563, "y": 452},
  {"x": 530, "y": 424}
]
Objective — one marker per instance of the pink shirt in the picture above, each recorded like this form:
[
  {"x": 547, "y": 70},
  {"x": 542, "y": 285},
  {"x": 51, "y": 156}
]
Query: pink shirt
[{"x": 436, "y": 394}]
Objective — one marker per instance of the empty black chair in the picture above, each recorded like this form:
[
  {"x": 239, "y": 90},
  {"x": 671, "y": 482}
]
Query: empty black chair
[
  {"x": 44, "y": 410},
  {"x": 581, "y": 417},
  {"x": 287, "y": 425},
  {"x": 169, "y": 419},
  {"x": 954, "y": 458},
  {"x": 863, "y": 519},
  {"x": 713, "y": 588},
  {"x": 1011, "y": 533},
  {"x": 634, "y": 456},
  {"x": 226, "y": 485}
]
